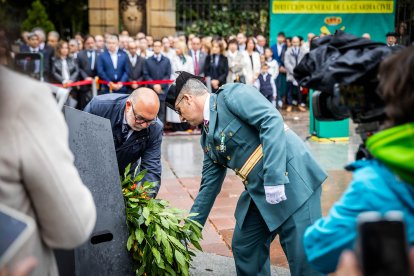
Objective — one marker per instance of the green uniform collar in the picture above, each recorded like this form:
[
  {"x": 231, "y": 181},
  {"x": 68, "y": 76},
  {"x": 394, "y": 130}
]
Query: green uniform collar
[{"x": 395, "y": 148}]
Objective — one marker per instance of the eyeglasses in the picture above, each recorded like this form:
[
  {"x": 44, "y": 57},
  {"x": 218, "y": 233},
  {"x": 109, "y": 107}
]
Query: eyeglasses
[
  {"x": 140, "y": 120},
  {"x": 177, "y": 110}
]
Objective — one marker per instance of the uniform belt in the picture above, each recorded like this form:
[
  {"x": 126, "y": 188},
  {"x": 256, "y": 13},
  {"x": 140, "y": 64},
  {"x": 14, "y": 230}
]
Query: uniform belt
[{"x": 251, "y": 162}]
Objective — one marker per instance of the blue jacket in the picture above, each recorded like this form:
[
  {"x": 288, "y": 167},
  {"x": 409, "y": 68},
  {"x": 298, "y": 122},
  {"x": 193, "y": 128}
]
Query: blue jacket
[
  {"x": 373, "y": 188},
  {"x": 279, "y": 59},
  {"x": 107, "y": 72},
  {"x": 154, "y": 70},
  {"x": 144, "y": 144}
]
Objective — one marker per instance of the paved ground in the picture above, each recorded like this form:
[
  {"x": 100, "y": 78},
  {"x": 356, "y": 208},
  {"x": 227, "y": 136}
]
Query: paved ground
[{"x": 182, "y": 160}]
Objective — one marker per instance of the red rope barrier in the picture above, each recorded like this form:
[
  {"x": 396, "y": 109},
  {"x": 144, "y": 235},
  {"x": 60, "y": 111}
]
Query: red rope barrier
[{"x": 88, "y": 82}]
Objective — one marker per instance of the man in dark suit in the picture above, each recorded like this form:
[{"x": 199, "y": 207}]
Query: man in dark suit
[
  {"x": 158, "y": 67},
  {"x": 279, "y": 50},
  {"x": 199, "y": 57},
  {"x": 136, "y": 130},
  {"x": 47, "y": 51},
  {"x": 87, "y": 60},
  {"x": 135, "y": 65},
  {"x": 34, "y": 46},
  {"x": 112, "y": 66}
]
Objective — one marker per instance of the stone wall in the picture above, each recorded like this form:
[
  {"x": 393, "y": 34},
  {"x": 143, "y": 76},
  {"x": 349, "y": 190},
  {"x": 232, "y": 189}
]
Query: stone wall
[
  {"x": 103, "y": 16},
  {"x": 161, "y": 18}
]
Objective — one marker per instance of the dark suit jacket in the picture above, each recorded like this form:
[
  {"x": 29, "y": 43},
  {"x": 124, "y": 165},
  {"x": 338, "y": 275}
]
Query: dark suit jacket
[
  {"x": 144, "y": 144},
  {"x": 280, "y": 59},
  {"x": 84, "y": 64},
  {"x": 218, "y": 72},
  {"x": 201, "y": 61},
  {"x": 107, "y": 72},
  {"x": 154, "y": 70},
  {"x": 57, "y": 69},
  {"x": 48, "y": 54},
  {"x": 136, "y": 73}
]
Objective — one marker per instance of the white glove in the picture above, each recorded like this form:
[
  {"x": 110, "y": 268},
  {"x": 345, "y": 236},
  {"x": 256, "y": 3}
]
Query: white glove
[{"x": 275, "y": 194}]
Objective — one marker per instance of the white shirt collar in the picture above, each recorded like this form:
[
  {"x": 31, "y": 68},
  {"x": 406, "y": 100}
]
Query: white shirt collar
[
  {"x": 114, "y": 53},
  {"x": 206, "y": 112}
]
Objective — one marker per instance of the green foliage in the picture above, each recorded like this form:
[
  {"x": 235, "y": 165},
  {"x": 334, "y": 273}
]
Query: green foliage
[
  {"x": 157, "y": 231},
  {"x": 37, "y": 17},
  {"x": 226, "y": 23}
]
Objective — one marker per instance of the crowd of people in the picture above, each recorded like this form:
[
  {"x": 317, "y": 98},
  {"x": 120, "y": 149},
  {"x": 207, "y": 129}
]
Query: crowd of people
[
  {"x": 122, "y": 58},
  {"x": 266, "y": 208}
]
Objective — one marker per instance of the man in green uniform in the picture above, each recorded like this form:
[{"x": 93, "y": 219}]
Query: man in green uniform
[{"x": 245, "y": 133}]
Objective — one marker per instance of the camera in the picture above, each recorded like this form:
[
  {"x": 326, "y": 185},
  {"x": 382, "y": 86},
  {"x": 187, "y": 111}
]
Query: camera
[{"x": 342, "y": 69}]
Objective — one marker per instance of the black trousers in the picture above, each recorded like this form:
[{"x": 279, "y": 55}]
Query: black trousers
[{"x": 162, "y": 111}]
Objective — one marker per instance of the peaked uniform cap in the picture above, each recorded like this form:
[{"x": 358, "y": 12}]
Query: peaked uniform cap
[{"x": 176, "y": 87}]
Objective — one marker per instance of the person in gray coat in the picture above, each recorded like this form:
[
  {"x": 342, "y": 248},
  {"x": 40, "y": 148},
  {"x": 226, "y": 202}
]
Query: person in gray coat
[
  {"x": 293, "y": 56},
  {"x": 236, "y": 63},
  {"x": 37, "y": 174}
]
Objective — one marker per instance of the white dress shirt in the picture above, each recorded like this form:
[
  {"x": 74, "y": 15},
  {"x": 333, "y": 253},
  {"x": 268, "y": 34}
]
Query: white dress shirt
[
  {"x": 65, "y": 70},
  {"x": 133, "y": 60},
  {"x": 206, "y": 110},
  {"x": 114, "y": 58}
]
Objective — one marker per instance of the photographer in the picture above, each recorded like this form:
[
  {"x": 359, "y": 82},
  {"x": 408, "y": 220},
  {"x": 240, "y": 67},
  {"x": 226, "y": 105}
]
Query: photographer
[{"x": 382, "y": 183}]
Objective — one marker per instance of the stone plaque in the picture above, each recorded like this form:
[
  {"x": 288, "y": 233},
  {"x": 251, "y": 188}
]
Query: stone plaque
[{"x": 105, "y": 253}]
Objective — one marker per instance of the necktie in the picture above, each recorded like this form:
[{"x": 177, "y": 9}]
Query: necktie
[
  {"x": 195, "y": 64},
  {"x": 90, "y": 59}
]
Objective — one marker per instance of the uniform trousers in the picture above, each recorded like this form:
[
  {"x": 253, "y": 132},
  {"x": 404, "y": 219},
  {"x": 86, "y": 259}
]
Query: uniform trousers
[{"x": 251, "y": 242}]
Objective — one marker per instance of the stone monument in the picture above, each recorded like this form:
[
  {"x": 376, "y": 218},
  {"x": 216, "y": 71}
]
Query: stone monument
[
  {"x": 133, "y": 16},
  {"x": 155, "y": 17},
  {"x": 105, "y": 252}
]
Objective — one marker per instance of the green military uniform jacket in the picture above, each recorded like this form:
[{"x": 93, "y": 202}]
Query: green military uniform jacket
[{"x": 241, "y": 120}]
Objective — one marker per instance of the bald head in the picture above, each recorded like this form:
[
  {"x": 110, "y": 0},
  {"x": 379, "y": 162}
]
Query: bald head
[
  {"x": 147, "y": 99},
  {"x": 295, "y": 41},
  {"x": 141, "y": 108}
]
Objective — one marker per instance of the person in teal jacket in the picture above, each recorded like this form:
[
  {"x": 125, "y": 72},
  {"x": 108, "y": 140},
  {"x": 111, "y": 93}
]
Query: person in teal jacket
[
  {"x": 383, "y": 183},
  {"x": 245, "y": 133}
]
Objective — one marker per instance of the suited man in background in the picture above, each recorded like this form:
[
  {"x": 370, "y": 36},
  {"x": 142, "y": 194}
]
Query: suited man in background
[
  {"x": 47, "y": 51},
  {"x": 158, "y": 67},
  {"x": 87, "y": 60},
  {"x": 112, "y": 66},
  {"x": 279, "y": 50},
  {"x": 135, "y": 65},
  {"x": 28, "y": 66},
  {"x": 198, "y": 56},
  {"x": 293, "y": 57},
  {"x": 245, "y": 133}
]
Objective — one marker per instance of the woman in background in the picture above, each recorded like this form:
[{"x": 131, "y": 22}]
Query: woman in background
[
  {"x": 216, "y": 66},
  {"x": 251, "y": 61},
  {"x": 236, "y": 63},
  {"x": 65, "y": 70}
]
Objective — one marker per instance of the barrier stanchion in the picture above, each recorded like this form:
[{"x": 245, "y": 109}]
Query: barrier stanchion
[{"x": 95, "y": 87}]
